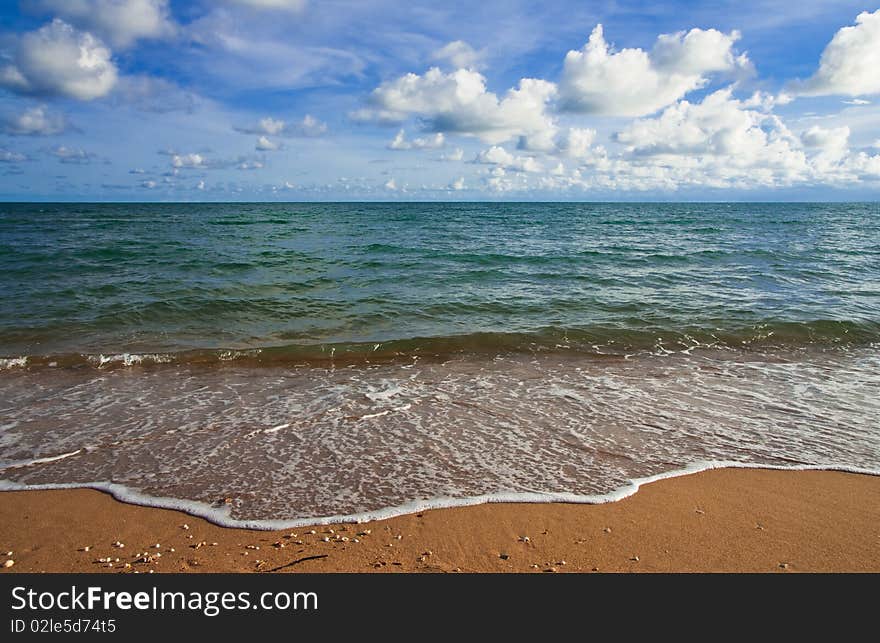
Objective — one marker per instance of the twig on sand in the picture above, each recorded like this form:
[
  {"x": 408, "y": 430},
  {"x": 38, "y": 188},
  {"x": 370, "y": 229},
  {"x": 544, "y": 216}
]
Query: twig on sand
[{"x": 295, "y": 562}]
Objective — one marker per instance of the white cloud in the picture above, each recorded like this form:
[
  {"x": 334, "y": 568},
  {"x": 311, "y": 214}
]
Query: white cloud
[
  {"x": 857, "y": 101},
  {"x": 200, "y": 185},
  {"x": 390, "y": 184},
  {"x": 148, "y": 184},
  {"x": 8, "y": 156},
  {"x": 850, "y": 63},
  {"x": 119, "y": 22},
  {"x": 455, "y": 155},
  {"x": 865, "y": 166},
  {"x": 423, "y": 143},
  {"x": 34, "y": 121},
  {"x": 72, "y": 155},
  {"x": 826, "y": 139},
  {"x": 271, "y": 5},
  {"x": 459, "y": 102},
  {"x": 457, "y": 184},
  {"x": 249, "y": 164},
  {"x": 500, "y": 157},
  {"x": 571, "y": 142},
  {"x": 633, "y": 82},
  {"x": 830, "y": 147},
  {"x": 191, "y": 160},
  {"x": 460, "y": 55},
  {"x": 59, "y": 60},
  {"x": 308, "y": 126},
  {"x": 266, "y": 145},
  {"x": 720, "y": 125}
]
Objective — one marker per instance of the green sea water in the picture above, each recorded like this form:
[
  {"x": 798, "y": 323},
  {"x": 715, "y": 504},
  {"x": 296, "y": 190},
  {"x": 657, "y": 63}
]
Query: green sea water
[{"x": 143, "y": 278}]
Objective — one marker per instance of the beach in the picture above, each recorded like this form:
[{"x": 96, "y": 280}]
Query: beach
[{"x": 723, "y": 520}]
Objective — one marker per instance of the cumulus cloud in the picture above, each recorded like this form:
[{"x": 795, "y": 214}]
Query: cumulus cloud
[
  {"x": 460, "y": 55},
  {"x": 457, "y": 184},
  {"x": 719, "y": 126},
  {"x": 201, "y": 161},
  {"x": 455, "y": 155},
  {"x": 390, "y": 184},
  {"x": 500, "y": 157},
  {"x": 72, "y": 155},
  {"x": 119, "y": 22},
  {"x": 828, "y": 139},
  {"x": 191, "y": 160},
  {"x": 8, "y": 156},
  {"x": 266, "y": 145},
  {"x": 59, "y": 60},
  {"x": 34, "y": 121},
  {"x": 459, "y": 102},
  {"x": 572, "y": 142},
  {"x": 309, "y": 126},
  {"x": 423, "y": 143},
  {"x": 849, "y": 64},
  {"x": 634, "y": 82},
  {"x": 293, "y": 6}
]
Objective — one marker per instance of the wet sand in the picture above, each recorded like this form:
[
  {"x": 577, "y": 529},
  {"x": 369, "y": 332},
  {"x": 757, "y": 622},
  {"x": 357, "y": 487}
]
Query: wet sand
[{"x": 725, "y": 520}]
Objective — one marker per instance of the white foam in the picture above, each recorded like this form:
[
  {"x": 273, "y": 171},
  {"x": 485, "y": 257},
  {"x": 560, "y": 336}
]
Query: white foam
[
  {"x": 12, "y": 362},
  {"x": 130, "y": 359},
  {"x": 221, "y": 515},
  {"x": 28, "y": 463}
]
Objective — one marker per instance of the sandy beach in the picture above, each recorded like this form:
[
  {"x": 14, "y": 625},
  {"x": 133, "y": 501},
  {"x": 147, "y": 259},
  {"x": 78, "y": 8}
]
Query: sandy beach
[{"x": 726, "y": 520}]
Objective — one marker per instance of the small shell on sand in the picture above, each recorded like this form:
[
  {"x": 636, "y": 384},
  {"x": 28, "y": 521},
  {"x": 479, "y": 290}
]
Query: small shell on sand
[
  {"x": 184, "y": 526},
  {"x": 9, "y": 563}
]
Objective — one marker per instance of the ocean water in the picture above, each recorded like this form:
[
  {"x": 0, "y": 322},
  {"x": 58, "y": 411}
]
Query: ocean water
[{"x": 267, "y": 364}]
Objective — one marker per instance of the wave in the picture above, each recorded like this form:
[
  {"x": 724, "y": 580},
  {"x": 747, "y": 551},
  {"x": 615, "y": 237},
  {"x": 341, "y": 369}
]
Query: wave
[
  {"x": 221, "y": 515},
  {"x": 599, "y": 341}
]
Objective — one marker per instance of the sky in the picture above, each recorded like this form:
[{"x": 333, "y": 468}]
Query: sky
[{"x": 303, "y": 100}]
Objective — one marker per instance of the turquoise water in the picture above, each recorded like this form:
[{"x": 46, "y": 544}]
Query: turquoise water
[
  {"x": 109, "y": 279},
  {"x": 340, "y": 359}
]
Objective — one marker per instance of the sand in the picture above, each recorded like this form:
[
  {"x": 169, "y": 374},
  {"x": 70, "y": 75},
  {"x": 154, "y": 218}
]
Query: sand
[{"x": 725, "y": 520}]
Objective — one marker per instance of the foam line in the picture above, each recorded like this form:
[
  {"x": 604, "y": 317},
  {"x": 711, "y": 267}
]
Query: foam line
[
  {"x": 220, "y": 516},
  {"x": 27, "y": 463}
]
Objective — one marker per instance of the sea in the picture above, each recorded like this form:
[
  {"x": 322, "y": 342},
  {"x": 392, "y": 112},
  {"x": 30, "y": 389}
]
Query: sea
[{"x": 267, "y": 365}]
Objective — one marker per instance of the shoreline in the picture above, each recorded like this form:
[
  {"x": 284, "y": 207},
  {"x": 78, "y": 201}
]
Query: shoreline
[{"x": 715, "y": 520}]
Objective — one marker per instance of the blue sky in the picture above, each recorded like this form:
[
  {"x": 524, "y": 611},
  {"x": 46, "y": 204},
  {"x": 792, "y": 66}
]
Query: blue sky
[{"x": 314, "y": 100}]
